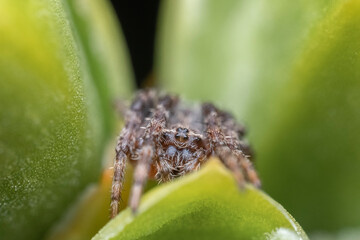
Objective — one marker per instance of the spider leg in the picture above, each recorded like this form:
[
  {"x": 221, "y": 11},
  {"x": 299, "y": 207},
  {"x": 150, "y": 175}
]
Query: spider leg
[
  {"x": 118, "y": 181},
  {"x": 248, "y": 167},
  {"x": 242, "y": 150},
  {"x": 147, "y": 151},
  {"x": 217, "y": 141},
  {"x": 164, "y": 170},
  {"x": 126, "y": 144},
  {"x": 229, "y": 135},
  {"x": 234, "y": 133},
  {"x": 194, "y": 163},
  {"x": 231, "y": 162},
  {"x": 140, "y": 175}
]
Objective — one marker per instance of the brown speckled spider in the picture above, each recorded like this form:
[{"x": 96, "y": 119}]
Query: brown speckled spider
[{"x": 165, "y": 139}]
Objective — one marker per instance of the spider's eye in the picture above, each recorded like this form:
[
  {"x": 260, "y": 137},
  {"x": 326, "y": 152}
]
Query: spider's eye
[
  {"x": 165, "y": 135},
  {"x": 182, "y": 134},
  {"x": 181, "y": 137},
  {"x": 182, "y": 130}
]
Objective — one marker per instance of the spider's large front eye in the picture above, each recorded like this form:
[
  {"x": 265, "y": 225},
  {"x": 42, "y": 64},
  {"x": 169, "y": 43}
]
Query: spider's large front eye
[
  {"x": 182, "y": 130},
  {"x": 181, "y": 137},
  {"x": 182, "y": 134}
]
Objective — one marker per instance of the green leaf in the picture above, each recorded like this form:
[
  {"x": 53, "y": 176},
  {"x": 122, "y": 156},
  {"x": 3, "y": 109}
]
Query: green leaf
[
  {"x": 314, "y": 144},
  {"x": 91, "y": 211},
  {"x": 104, "y": 52},
  {"x": 291, "y": 71},
  {"x": 204, "y": 205},
  {"x": 52, "y": 124},
  {"x": 344, "y": 234},
  {"x": 231, "y": 50}
]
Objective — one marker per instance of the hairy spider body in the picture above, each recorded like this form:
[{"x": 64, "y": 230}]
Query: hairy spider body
[{"x": 165, "y": 138}]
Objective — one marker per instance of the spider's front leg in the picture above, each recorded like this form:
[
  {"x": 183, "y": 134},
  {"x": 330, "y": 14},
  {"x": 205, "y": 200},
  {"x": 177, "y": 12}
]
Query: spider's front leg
[
  {"x": 141, "y": 174},
  {"x": 118, "y": 179},
  {"x": 126, "y": 143},
  {"x": 147, "y": 151}
]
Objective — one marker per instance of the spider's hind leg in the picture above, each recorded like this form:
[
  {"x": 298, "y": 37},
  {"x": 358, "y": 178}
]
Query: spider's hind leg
[{"x": 140, "y": 175}]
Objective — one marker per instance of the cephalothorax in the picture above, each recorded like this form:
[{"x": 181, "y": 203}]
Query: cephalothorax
[{"x": 165, "y": 138}]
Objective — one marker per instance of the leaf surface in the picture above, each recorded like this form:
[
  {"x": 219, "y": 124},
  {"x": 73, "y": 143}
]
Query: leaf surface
[
  {"x": 290, "y": 71},
  {"x": 52, "y": 125},
  {"x": 204, "y": 205}
]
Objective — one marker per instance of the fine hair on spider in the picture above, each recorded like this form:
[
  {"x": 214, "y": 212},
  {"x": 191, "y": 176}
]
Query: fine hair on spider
[{"x": 164, "y": 138}]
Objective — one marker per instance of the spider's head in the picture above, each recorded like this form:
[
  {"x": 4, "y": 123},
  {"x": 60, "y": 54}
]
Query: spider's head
[
  {"x": 181, "y": 134},
  {"x": 181, "y": 137}
]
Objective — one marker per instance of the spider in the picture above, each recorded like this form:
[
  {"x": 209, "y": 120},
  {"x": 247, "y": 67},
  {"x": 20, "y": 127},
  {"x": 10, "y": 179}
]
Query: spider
[{"x": 165, "y": 138}]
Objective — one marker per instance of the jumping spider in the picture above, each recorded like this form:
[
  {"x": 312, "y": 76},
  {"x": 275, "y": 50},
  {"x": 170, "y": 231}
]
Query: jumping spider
[{"x": 166, "y": 139}]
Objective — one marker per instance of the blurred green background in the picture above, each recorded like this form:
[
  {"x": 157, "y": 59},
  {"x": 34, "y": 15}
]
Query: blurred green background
[{"x": 288, "y": 70}]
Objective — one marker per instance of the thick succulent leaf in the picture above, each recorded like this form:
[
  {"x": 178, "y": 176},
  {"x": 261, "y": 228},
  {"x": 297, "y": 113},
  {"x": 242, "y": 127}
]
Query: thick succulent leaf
[
  {"x": 104, "y": 54},
  {"x": 317, "y": 141},
  {"x": 204, "y": 205},
  {"x": 290, "y": 70},
  {"x": 52, "y": 130},
  {"x": 91, "y": 211},
  {"x": 229, "y": 51}
]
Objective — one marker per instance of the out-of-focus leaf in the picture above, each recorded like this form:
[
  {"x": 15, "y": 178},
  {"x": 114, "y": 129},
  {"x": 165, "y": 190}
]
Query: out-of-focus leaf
[
  {"x": 91, "y": 212},
  {"x": 344, "y": 234},
  {"x": 314, "y": 144},
  {"x": 291, "y": 71},
  {"x": 204, "y": 205},
  {"x": 104, "y": 53},
  {"x": 52, "y": 128},
  {"x": 232, "y": 51}
]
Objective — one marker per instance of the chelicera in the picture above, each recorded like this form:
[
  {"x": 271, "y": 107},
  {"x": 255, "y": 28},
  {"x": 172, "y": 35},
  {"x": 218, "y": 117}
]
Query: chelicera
[{"x": 165, "y": 138}]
